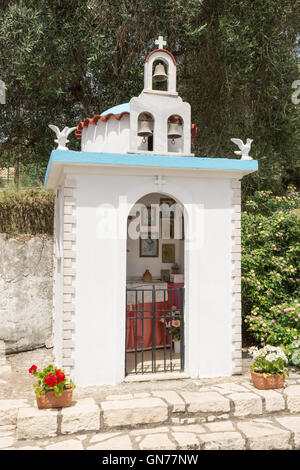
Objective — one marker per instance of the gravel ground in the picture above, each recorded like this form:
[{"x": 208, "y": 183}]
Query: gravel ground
[{"x": 19, "y": 383}]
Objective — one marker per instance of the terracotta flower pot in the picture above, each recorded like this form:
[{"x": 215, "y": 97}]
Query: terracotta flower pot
[
  {"x": 49, "y": 400},
  {"x": 267, "y": 383}
]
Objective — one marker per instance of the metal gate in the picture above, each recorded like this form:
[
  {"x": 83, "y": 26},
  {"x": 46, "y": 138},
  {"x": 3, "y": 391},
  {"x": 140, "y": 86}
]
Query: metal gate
[{"x": 154, "y": 330}]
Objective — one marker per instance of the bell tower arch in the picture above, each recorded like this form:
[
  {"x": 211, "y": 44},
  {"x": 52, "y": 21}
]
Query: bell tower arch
[
  {"x": 160, "y": 66},
  {"x": 168, "y": 64}
]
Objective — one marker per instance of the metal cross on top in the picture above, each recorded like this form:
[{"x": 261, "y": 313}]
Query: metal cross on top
[{"x": 160, "y": 42}]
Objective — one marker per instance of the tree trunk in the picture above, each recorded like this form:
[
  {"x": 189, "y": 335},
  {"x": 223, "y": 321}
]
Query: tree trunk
[{"x": 17, "y": 169}]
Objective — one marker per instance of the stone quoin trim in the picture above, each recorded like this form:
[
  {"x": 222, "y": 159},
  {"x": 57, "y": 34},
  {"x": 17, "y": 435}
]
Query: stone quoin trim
[
  {"x": 236, "y": 278},
  {"x": 55, "y": 263},
  {"x": 69, "y": 256}
]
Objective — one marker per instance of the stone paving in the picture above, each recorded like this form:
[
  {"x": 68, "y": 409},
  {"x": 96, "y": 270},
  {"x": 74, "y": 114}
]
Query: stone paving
[
  {"x": 268, "y": 433},
  {"x": 221, "y": 416},
  {"x": 224, "y": 413}
]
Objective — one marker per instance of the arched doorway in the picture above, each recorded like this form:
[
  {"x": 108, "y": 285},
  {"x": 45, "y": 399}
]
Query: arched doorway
[{"x": 155, "y": 286}]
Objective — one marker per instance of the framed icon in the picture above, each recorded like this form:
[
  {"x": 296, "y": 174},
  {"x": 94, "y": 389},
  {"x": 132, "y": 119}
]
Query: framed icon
[
  {"x": 149, "y": 247},
  {"x": 165, "y": 275},
  {"x": 168, "y": 253}
]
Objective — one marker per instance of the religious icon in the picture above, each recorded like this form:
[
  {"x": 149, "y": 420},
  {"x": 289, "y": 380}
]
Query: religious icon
[
  {"x": 168, "y": 253},
  {"x": 148, "y": 247},
  {"x": 165, "y": 275}
]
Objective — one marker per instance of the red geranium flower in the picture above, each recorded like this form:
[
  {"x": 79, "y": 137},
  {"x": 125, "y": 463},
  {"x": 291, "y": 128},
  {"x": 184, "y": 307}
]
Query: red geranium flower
[
  {"x": 60, "y": 376},
  {"x": 50, "y": 380},
  {"x": 32, "y": 369}
]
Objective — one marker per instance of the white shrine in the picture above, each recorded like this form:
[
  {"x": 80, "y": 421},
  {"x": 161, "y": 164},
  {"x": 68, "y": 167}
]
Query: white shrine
[{"x": 114, "y": 265}]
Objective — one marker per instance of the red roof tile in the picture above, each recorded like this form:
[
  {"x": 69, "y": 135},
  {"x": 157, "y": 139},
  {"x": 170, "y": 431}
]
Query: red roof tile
[
  {"x": 161, "y": 50},
  {"x": 94, "y": 120}
]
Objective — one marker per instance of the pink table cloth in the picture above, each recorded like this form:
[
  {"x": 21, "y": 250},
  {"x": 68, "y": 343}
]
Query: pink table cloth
[{"x": 138, "y": 330}]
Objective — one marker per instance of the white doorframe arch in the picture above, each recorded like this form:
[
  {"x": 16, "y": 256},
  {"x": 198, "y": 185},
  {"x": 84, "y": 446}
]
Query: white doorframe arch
[{"x": 185, "y": 212}]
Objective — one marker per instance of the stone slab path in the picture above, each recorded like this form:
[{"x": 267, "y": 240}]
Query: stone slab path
[
  {"x": 221, "y": 416},
  {"x": 224, "y": 413},
  {"x": 272, "y": 433}
]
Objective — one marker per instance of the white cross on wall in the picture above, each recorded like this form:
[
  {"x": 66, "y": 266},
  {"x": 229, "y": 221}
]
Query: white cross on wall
[
  {"x": 159, "y": 182},
  {"x": 160, "y": 42}
]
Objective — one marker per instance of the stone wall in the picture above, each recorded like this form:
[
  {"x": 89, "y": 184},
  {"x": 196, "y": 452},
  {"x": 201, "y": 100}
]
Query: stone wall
[{"x": 26, "y": 290}]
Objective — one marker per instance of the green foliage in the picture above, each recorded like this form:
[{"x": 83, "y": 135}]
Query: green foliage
[
  {"x": 268, "y": 368},
  {"x": 65, "y": 60},
  {"x": 237, "y": 75},
  {"x": 29, "y": 211},
  {"x": 30, "y": 174},
  {"x": 270, "y": 263},
  {"x": 293, "y": 353},
  {"x": 279, "y": 325}
]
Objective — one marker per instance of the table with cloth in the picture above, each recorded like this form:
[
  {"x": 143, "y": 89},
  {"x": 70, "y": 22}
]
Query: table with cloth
[{"x": 138, "y": 327}]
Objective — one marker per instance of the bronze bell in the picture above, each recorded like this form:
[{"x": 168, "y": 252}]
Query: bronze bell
[
  {"x": 160, "y": 73},
  {"x": 144, "y": 129},
  {"x": 175, "y": 131}
]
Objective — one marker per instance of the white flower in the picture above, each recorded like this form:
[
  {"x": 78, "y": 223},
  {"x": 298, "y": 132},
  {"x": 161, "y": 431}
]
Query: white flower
[
  {"x": 253, "y": 351},
  {"x": 270, "y": 353},
  {"x": 271, "y": 357}
]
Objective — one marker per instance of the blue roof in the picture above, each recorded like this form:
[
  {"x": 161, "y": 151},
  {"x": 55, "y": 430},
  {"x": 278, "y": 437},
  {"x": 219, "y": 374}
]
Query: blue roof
[
  {"x": 149, "y": 160},
  {"x": 120, "y": 108}
]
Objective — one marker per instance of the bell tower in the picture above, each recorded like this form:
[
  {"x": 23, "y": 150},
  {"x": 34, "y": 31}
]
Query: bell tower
[{"x": 160, "y": 122}]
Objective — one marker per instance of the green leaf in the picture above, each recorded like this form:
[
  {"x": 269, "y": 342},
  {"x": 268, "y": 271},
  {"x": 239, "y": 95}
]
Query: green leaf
[{"x": 72, "y": 384}]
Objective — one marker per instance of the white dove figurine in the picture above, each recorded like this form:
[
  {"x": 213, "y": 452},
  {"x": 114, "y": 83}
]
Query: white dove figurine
[
  {"x": 62, "y": 136},
  {"x": 244, "y": 148}
]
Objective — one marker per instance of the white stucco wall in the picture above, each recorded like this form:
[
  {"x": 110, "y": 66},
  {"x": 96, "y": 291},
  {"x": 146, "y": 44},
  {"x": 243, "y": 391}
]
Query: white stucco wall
[
  {"x": 152, "y": 103},
  {"x": 107, "y": 136},
  {"x": 99, "y": 335}
]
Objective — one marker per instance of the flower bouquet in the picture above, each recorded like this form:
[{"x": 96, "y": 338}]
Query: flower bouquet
[
  {"x": 173, "y": 326},
  {"x": 269, "y": 367},
  {"x": 52, "y": 388}
]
